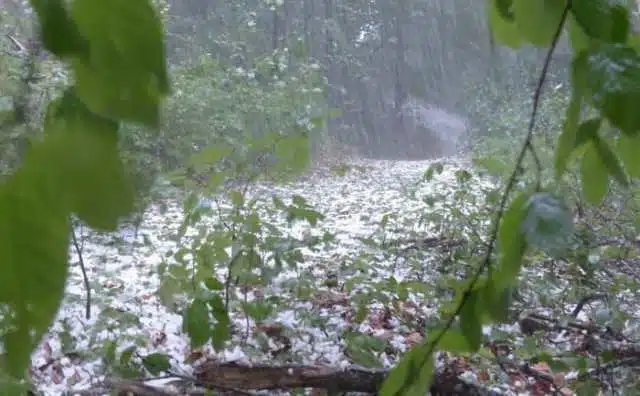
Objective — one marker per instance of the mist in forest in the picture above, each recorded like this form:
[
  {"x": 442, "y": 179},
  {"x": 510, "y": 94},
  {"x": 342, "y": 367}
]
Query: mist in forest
[{"x": 410, "y": 79}]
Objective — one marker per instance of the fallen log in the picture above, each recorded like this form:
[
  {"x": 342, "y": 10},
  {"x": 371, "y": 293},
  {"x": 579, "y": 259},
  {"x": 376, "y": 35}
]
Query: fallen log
[
  {"x": 233, "y": 379},
  {"x": 237, "y": 376},
  {"x": 352, "y": 379}
]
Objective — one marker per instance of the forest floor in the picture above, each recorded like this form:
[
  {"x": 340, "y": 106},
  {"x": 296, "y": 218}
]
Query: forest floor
[{"x": 361, "y": 299}]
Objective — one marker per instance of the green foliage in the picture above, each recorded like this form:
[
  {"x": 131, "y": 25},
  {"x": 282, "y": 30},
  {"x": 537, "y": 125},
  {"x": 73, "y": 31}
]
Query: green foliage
[
  {"x": 240, "y": 245},
  {"x": 103, "y": 143},
  {"x": 417, "y": 365},
  {"x": 123, "y": 74},
  {"x": 94, "y": 177},
  {"x": 537, "y": 21},
  {"x": 605, "y": 77},
  {"x": 603, "y": 20},
  {"x": 34, "y": 241},
  {"x": 611, "y": 73},
  {"x": 128, "y": 363},
  {"x": 75, "y": 168}
]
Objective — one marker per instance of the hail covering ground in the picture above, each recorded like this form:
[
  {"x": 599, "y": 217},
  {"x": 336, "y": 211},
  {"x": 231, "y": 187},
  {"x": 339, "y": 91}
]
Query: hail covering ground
[{"x": 126, "y": 281}]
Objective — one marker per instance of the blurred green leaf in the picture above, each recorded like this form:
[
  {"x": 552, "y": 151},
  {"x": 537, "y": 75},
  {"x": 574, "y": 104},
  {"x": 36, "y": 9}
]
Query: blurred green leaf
[
  {"x": 212, "y": 283},
  {"x": 628, "y": 148},
  {"x": 538, "y": 21},
  {"x": 610, "y": 161},
  {"x": 433, "y": 170},
  {"x": 362, "y": 350},
  {"x": 570, "y": 132},
  {"x": 127, "y": 354},
  {"x": 548, "y": 224},
  {"x": 578, "y": 38},
  {"x": 588, "y": 131},
  {"x": 412, "y": 376},
  {"x": 453, "y": 341},
  {"x": 222, "y": 330},
  {"x": 594, "y": 175},
  {"x": 470, "y": 321},
  {"x": 59, "y": 33},
  {"x": 195, "y": 323},
  {"x": 504, "y": 30},
  {"x": 613, "y": 83},
  {"x": 125, "y": 75},
  {"x": 496, "y": 300},
  {"x": 505, "y": 8},
  {"x": 511, "y": 243},
  {"x": 602, "y": 19},
  {"x": 156, "y": 363},
  {"x": 83, "y": 147},
  {"x": 34, "y": 240}
]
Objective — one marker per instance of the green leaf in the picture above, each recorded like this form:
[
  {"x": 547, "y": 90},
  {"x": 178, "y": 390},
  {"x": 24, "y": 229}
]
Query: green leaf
[
  {"x": 496, "y": 301},
  {"x": 608, "y": 356},
  {"x": 453, "y": 341},
  {"x": 610, "y": 161},
  {"x": 412, "y": 375},
  {"x": 512, "y": 243},
  {"x": 293, "y": 154},
  {"x": 222, "y": 330},
  {"x": 470, "y": 321},
  {"x": 634, "y": 41},
  {"x": 299, "y": 200},
  {"x": 237, "y": 199},
  {"x": 588, "y": 388},
  {"x": 571, "y": 129},
  {"x": 212, "y": 283},
  {"x": 503, "y": 30},
  {"x": 309, "y": 215},
  {"x": 156, "y": 363},
  {"x": 505, "y": 8},
  {"x": 258, "y": 310},
  {"x": 58, "y": 31},
  {"x": 579, "y": 40},
  {"x": 109, "y": 352},
  {"x": 34, "y": 240},
  {"x": 602, "y": 19},
  {"x": 83, "y": 148},
  {"x": 433, "y": 170},
  {"x": 210, "y": 155},
  {"x": 12, "y": 387},
  {"x": 588, "y": 131},
  {"x": 556, "y": 365},
  {"x": 594, "y": 175},
  {"x": 567, "y": 139},
  {"x": 125, "y": 75},
  {"x": 362, "y": 349},
  {"x": 196, "y": 323},
  {"x": 126, "y": 355},
  {"x": 613, "y": 83},
  {"x": 628, "y": 148},
  {"x": 549, "y": 223},
  {"x": 538, "y": 21}
]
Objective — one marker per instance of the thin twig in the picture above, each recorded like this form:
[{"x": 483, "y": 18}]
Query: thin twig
[
  {"x": 85, "y": 278},
  {"x": 586, "y": 300}
]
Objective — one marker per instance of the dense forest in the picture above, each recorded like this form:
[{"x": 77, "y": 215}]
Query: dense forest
[{"x": 325, "y": 197}]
